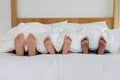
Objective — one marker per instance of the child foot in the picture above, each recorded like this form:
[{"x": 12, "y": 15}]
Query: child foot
[
  {"x": 66, "y": 44},
  {"x": 31, "y": 42},
  {"x": 102, "y": 45},
  {"x": 19, "y": 44},
  {"x": 85, "y": 45},
  {"x": 49, "y": 46}
]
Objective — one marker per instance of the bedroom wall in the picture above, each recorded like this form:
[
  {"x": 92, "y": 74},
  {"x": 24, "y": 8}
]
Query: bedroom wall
[
  {"x": 65, "y": 8},
  {"x": 55, "y": 8},
  {"x": 4, "y": 16}
]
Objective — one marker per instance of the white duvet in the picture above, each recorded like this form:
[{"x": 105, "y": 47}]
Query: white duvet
[
  {"x": 60, "y": 67},
  {"x": 112, "y": 38},
  {"x": 57, "y": 32}
]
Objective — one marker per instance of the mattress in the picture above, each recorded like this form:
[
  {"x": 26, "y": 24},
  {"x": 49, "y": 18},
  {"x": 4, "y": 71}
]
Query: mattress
[{"x": 73, "y": 66}]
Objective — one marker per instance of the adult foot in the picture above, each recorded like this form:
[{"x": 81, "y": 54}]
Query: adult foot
[
  {"x": 102, "y": 45},
  {"x": 31, "y": 43},
  {"x": 85, "y": 45},
  {"x": 49, "y": 46},
  {"x": 19, "y": 44},
  {"x": 66, "y": 44}
]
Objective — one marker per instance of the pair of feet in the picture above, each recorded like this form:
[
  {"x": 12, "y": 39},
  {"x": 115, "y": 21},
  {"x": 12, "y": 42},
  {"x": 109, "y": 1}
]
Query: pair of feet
[
  {"x": 31, "y": 43},
  {"x": 101, "y": 45},
  {"x": 66, "y": 45},
  {"x": 20, "y": 41}
]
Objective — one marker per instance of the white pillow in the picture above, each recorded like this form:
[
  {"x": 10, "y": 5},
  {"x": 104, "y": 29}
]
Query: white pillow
[
  {"x": 36, "y": 27},
  {"x": 70, "y": 27},
  {"x": 58, "y": 23},
  {"x": 56, "y": 27},
  {"x": 101, "y": 25}
]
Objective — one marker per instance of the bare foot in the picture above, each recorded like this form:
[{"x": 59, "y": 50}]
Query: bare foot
[
  {"x": 49, "y": 46},
  {"x": 102, "y": 45},
  {"x": 31, "y": 42},
  {"x": 85, "y": 45},
  {"x": 19, "y": 44},
  {"x": 66, "y": 44}
]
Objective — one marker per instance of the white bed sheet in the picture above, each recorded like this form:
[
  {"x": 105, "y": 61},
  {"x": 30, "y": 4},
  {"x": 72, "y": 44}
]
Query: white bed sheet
[{"x": 60, "y": 67}]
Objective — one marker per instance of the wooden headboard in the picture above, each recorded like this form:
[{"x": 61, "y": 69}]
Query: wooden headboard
[{"x": 112, "y": 22}]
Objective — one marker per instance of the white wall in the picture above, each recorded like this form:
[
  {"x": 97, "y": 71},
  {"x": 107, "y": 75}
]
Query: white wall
[
  {"x": 55, "y": 8},
  {"x": 4, "y": 16},
  {"x": 65, "y": 8}
]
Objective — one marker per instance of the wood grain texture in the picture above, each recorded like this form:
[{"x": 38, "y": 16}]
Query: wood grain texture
[
  {"x": 14, "y": 12},
  {"x": 73, "y": 20},
  {"x": 119, "y": 13},
  {"x": 116, "y": 14}
]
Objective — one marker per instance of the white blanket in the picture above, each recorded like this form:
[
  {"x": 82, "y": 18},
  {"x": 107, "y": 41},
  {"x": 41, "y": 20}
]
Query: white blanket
[
  {"x": 60, "y": 67},
  {"x": 57, "y": 32}
]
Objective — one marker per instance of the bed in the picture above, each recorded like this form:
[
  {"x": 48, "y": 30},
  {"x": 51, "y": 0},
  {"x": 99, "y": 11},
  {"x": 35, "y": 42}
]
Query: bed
[
  {"x": 72, "y": 66},
  {"x": 60, "y": 67}
]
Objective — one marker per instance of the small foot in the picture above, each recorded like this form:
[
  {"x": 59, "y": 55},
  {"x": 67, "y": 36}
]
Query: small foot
[
  {"x": 66, "y": 44},
  {"x": 19, "y": 44},
  {"x": 31, "y": 42},
  {"x": 102, "y": 45},
  {"x": 85, "y": 45},
  {"x": 49, "y": 46}
]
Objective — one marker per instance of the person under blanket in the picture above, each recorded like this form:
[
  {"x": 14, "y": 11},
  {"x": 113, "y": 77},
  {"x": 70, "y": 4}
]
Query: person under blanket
[
  {"x": 20, "y": 41},
  {"x": 101, "y": 45},
  {"x": 66, "y": 45}
]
